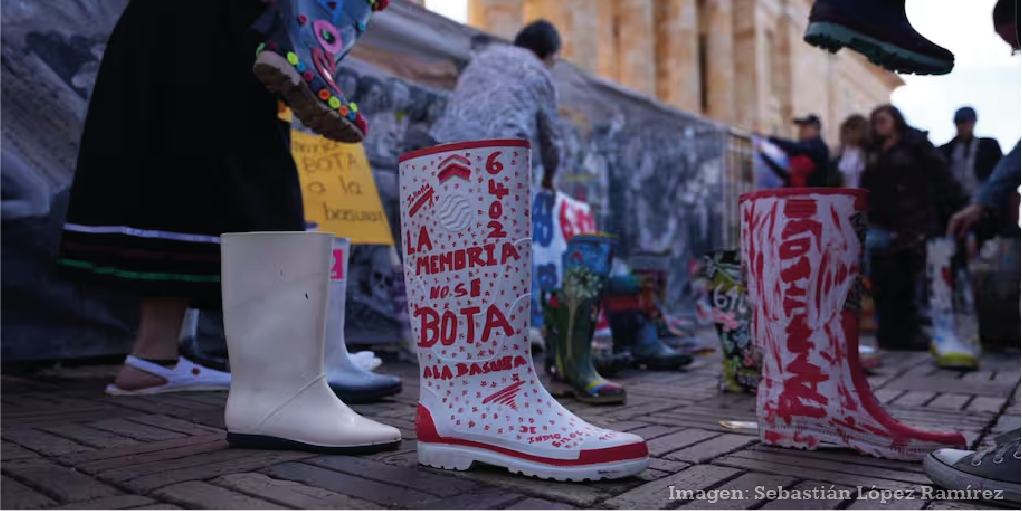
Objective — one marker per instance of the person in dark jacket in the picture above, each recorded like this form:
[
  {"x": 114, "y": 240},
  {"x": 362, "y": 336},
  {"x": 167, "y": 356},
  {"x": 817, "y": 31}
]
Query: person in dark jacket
[
  {"x": 972, "y": 158},
  {"x": 912, "y": 195},
  {"x": 810, "y": 153}
]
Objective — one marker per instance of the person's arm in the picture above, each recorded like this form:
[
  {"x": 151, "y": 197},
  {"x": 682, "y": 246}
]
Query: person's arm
[
  {"x": 549, "y": 131},
  {"x": 792, "y": 147},
  {"x": 1003, "y": 180},
  {"x": 776, "y": 168}
]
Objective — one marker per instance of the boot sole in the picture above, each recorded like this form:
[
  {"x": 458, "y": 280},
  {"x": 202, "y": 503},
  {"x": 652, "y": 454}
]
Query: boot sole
[
  {"x": 368, "y": 395},
  {"x": 950, "y": 478},
  {"x": 456, "y": 457},
  {"x": 833, "y": 37},
  {"x": 798, "y": 436},
  {"x": 261, "y": 442},
  {"x": 279, "y": 76}
]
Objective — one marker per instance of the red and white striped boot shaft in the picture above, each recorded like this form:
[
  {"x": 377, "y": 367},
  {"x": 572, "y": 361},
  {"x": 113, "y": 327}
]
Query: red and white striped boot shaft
[
  {"x": 802, "y": 250},
  {"x": 468, "y": 270}
]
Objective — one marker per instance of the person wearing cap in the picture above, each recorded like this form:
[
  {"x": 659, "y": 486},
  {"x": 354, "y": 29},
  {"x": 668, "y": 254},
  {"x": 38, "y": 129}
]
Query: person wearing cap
[
  {"x": 972, "y": 158},
  {"x": 809, "y": 156}
]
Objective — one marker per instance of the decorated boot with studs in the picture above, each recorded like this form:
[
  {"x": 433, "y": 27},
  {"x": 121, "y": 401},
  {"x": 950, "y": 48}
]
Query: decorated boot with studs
[
  {"x": 304, "y": 42},
  {"x": 465, "y": 220},
  {"x": 571, "y": 315}
]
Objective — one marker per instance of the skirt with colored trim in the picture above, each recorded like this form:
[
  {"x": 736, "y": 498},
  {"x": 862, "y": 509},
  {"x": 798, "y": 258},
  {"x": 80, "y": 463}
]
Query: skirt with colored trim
[{"x": 181, "y": 144}]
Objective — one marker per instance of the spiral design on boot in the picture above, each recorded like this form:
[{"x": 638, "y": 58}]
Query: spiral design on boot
[{"x": 455, "y": 213}]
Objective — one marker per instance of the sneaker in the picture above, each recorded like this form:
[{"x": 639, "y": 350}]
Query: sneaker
[
  {"x": 880, "y": 31},
  {"x": 992, "y": 473},
  {"x": 304, "y": 42}
]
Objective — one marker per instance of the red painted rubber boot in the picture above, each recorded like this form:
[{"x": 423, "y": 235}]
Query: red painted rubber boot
[
  {"x": 880, "y": 31},
  {"x": 305, "y": 41},
  {"x": 468, "y": 271},
  {"x": 802, "y": 250}
]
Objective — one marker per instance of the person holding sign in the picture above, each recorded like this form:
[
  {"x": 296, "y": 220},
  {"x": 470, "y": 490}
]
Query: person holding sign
[{"x": 165, "y": 169}]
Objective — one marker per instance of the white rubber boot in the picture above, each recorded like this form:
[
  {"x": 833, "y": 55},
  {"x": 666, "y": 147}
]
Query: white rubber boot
[
  {"x": 275, "y": 291},
  {"x": 955, "y": 342},
  {"x": 352, "y": 382},
  {"x": 468, "y": 271}
]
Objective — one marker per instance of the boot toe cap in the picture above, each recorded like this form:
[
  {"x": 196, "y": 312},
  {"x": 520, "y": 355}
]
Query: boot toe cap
[
  {"x": 615, "y": 446},
  {"x": 950, "y": 457}
]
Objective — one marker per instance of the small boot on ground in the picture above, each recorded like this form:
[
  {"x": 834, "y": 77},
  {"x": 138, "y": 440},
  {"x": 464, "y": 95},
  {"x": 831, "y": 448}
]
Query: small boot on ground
[
  {"x": 571, "y": 315},
  {"x": 468, "y": 271},
  {"x": 305, "y": 40},
  {"x": 955, "y": 342},
  {"x": 276, "y": 286},
  {"x": 352, "y": 382},
  {"x": 992, "y": 472},
  {"x": 803, "y": 251},
  {"x": 880, "y": 31},
  {"x": 732, "y": 317},
  {"x": 628, "y": 309}
]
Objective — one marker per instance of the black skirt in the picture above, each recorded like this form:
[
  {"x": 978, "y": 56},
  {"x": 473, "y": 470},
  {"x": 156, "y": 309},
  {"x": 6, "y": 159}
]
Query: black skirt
[{"x": 181, "y": 144}]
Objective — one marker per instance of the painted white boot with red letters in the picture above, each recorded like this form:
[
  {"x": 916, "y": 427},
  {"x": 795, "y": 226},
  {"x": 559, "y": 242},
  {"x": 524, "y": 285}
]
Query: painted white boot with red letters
[
  {"x": 802, "y": 249},
  {"x": 468, "y": 264}
]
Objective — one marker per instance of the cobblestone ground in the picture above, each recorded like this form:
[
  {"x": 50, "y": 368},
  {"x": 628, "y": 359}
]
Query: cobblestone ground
[{"x": 65, "y": 446}]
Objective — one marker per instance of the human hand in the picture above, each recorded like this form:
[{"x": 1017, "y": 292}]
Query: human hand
[{"x": 963, "y": 221}]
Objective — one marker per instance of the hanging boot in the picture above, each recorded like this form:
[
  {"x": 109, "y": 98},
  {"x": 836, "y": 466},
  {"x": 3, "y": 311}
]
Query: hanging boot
[
  {"x": 802, "y": 250},
  {"x": 468, "y": 270},
  {"x": 634, "y": 330},
  {"x": 351, "y": 381},
  {"x": 880, "y": 31},
  {"x": 571, "y": 318},
  {"x": 955, "y": 335},
  {"x": 276, "y": 287},
  {"x": 305, "y": 40},
  {"x": 732, "y": 317}
]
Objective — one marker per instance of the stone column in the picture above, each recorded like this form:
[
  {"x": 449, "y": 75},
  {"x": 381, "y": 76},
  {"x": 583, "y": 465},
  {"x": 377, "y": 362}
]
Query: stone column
[
  {"x": 677, "y": 54},
  {"x": 720, "y": 60},
  {"x": 607, "y": 49},
  {"x": 503, "y": 18},
  {"x": 752, "y": 75},
  {"x": 586, "y": 34},
  {"x": 637, "y": 48}
]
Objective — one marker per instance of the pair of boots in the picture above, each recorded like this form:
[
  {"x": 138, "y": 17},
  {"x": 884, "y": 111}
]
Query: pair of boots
[
  {"x": 305, "y": 40},
  {"x": 634, "y": 323},
  {"x": 571, "y": 315}
]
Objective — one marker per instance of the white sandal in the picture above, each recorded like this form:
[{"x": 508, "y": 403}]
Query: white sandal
[{"x": 186, "y": 376}]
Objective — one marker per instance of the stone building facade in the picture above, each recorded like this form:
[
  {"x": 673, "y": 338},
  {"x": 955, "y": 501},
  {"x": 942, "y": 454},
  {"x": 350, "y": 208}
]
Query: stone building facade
[{"x": 739, "y": 62}]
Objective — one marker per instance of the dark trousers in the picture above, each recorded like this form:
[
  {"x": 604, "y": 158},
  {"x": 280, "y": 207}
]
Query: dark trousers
[{"x": 895, "y": 277}]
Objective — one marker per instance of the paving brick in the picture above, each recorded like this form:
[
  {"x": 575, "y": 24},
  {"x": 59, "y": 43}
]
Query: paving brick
[
  {"x": 576, "y": 494},
  {"x": 539, "y": 504},
  {"x": 963, "y": 505},
  {"x": 208, "y": 496},
  {"x": 632, "y": 412},
  {"x": 486, "y": 499},
  {"x": 884, "y": 396},
  {"x": 177, "y": 425},
  {"x": 11, "y": 451},
  {"x": 91, "y": 437},
  {"x": 143, "y": 452},
  {"x": 739, "y": 493},
  {"x": 14, "y": 495},
  {"x": 712, "y": 448},
  {"x": 115, "y": 502},
  {"x": 209, "y": 465},
  {"x": 651, "y": 432},
  {"x": 895, "y": 505},
  {"x": 950, "y": 401},
  {"x": 655, "y": 495},
  {"x": 846, "y": 456},
  {"x": 63, "y": 483},
  {"x": 795, "y": 470},
  {"x": 986, "y": 404},
  {"x": 793, "y": 457},
  {"x": 667, "y": 465},
  {"x": 679, "y": 440},
  {"x": 380, "y": 493},
  {"x": 135, "y": 430},
  {"x": 409, "y": 477},
  {"x": 289, "y": 493},
  {"x": 810, "y": 495},
  {"x": 927, "y": 385},
  {"x": 43, "y": 443},
  {"x": 914, "y": 398},
  {"x": 159, "y": 506}
]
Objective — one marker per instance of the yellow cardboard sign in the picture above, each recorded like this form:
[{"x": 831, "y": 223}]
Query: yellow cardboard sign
[{"x": 338, "y": 189}]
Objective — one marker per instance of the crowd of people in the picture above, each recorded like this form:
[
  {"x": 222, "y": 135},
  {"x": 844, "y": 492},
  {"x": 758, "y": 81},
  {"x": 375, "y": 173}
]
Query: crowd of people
[{"x": 239, "y": 176}]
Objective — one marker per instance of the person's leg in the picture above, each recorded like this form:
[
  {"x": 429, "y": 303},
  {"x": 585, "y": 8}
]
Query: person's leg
[
  {"x": 880, "y": 31},
  {"x": 893, "y": 296},
  {"x": 157, "y": 341}
]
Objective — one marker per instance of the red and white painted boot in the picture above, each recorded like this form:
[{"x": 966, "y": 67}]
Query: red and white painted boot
[
  {"x": 468, "y": 271},
  {"x": 802, "y": 249}
]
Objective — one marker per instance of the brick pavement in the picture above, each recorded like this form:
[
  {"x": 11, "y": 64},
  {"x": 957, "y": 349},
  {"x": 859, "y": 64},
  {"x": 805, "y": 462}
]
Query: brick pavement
[{"x": 65, "y": 446}]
